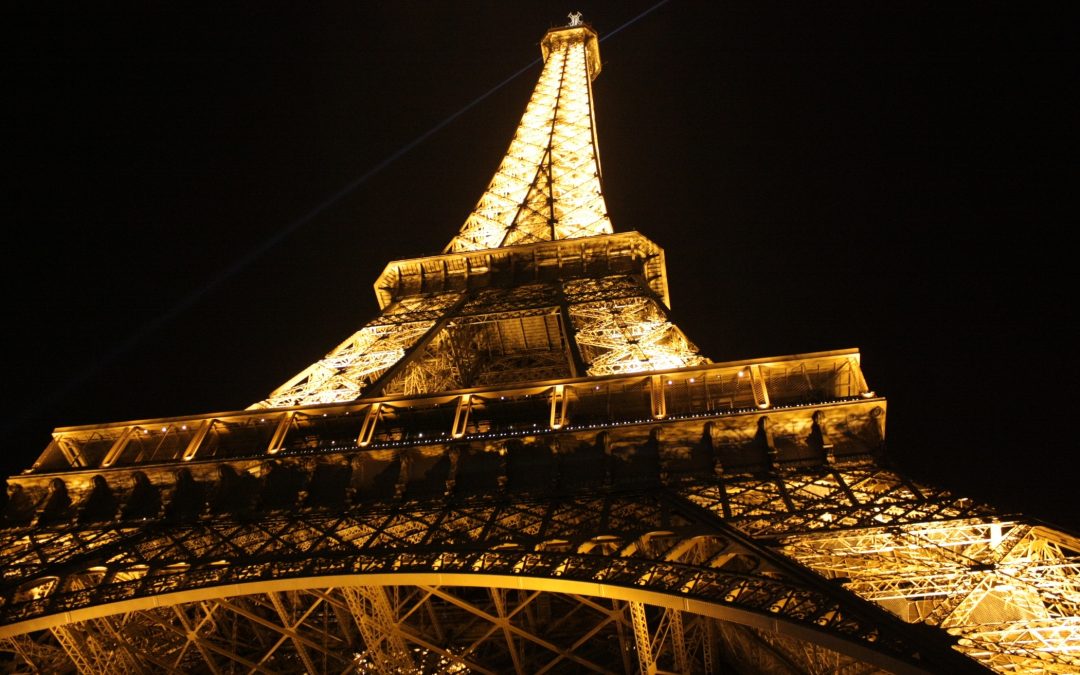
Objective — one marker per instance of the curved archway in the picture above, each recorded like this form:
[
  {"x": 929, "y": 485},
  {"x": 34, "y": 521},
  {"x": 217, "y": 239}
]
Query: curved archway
[{"x": 732, "y": 598}]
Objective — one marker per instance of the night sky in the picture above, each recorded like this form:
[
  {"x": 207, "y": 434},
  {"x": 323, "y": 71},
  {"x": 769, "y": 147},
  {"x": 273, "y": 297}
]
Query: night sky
[{"x": 887, "y": 176}]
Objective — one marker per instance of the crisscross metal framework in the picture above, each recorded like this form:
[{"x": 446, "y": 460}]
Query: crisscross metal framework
[{"x": 522, "y": 465}]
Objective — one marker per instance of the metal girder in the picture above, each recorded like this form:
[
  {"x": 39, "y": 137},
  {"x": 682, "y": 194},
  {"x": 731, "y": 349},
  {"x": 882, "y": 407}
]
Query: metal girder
[
  {"x": 498, "y": 596},
  {"x": 1010, "y": 590},
  {"x": 480, "y": 540},
  {"x": 374, "y": 617},
  {"x": 642, "y": 638},
  {"x": 826, "y": 499},
  {"x": 358, "y": 362},
  {"x": 195, "y": 629},
  {"x": 924, "y": 555},
  {"x": 678, "y": 639},
  {"x": 223, "y": 638},
  {"x": 763, "y": 652},
  {"x": 73, "y": 643},
  {"x": 344, "y": 373},
  {"x": 629, "y": 335},
  {"x": 668, "y": 642},
  {"x": 888, "y": 540},
  {"x": 97, "y": 647}
]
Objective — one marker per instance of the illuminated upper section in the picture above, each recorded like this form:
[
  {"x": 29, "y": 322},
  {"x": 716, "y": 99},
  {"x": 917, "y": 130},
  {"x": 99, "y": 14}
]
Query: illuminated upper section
[
  {"x": 548, "y": 184},
  {"x": 512, "y": 299}
]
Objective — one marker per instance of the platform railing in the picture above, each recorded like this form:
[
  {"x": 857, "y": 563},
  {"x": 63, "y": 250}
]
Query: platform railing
[{"x": 518, "y": 410}]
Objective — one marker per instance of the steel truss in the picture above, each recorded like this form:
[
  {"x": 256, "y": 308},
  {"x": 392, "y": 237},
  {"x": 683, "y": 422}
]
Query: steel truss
[
  {"x": 630, "y": 336},
  {"x": 344, "y": 373},
  {"x": 1008, "y": 590},
  {"x": 319, "y": 630},
  {"x": 480, "y": 480},
  {"x": 644, "y": 548},
  {"x": 450, "y": 341},
  {"x": 722, "y": 539}
]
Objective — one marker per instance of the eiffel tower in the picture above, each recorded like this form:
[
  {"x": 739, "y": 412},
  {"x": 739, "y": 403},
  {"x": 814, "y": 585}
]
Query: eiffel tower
[{"x": 522, "y": 465}]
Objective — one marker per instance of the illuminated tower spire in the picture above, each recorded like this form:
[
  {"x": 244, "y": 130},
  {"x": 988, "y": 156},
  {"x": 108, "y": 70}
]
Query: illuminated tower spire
[{"x": 548, "y": 184}]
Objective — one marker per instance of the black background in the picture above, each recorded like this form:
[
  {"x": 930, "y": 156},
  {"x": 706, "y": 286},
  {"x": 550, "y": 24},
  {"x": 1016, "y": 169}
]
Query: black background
[{"x": 889, "y": 176}]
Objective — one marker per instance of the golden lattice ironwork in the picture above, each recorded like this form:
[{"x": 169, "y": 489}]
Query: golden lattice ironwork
[
  {"x": 1009, "y": 591},
  {"x": 522, "y": 465},
  {"x": 548, "y": 184},
  {"x": 344, "y": 373}
]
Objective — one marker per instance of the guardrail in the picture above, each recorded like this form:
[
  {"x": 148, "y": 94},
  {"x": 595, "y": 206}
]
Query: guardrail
[{"x": 532, "y": 408}]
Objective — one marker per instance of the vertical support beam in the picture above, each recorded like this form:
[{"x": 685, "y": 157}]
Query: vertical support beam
[
  {"x": 859, "y": 380},
  {"x": 678, "y": 640},
  {"x": 118, "y": 447},
  {"x": 278, "y": 440},
  {"x": 820, "y": 437},
  {"x": 558, "y": 406},
  {"x": 197, "y": 439},
  {"x": 708, "y": 643},
  {"x": 498, "y": 597},
  {"x": 657, "y": 397},
  {"x": 367, "y": 429},
  {"x": 461, "y": 416},
  {"x": 624, "y": 644},
  {"x": 75, "y": 649},
  {"x": 620, "y": 626},
  {"x": 757, "y": 385},
  {"x": 374, "y": 616},
  {"x": 646, "y": 660},
  {"x": 577, "y": 363}
]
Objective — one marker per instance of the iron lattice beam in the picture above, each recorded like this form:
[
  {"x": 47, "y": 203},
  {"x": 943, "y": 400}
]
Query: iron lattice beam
[{"x": 648, "y": 545}]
